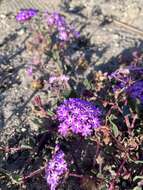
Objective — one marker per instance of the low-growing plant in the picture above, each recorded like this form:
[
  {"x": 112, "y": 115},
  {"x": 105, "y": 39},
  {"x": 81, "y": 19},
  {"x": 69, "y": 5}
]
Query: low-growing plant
[{"x": 96, "y": 137}]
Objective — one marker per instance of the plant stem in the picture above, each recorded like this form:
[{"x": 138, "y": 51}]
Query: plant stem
[
  {"x": 112, "y": 184},
  {"x": 10, "y": 150},
  {"x": 75, "y": 175},
  {"x": 36, "y": 172}
]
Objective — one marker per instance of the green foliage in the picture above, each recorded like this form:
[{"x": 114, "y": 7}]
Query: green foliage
[{"x": 113, "y": 125}]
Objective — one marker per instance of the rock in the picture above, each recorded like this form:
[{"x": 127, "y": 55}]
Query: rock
[
  {"x": 21, "y": 32},
  {"x": 132, "y": 12}
]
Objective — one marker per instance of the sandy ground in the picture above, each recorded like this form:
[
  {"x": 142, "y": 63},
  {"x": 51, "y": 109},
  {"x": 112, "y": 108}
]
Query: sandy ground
[{"x": 107, "y": 40}]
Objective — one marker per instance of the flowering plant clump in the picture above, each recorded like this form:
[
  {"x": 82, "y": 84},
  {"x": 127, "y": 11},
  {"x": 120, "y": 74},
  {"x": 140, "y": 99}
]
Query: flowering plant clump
[
  {"x": 92, "y": 140},
  {"x": 121, "y": 78},
  {"x": 26, "y": 14},
  {"x": 56, "y": 169},
  {"x": 65, "y": 31},
  {"x": 124, "y": 77},
  {"x": 78, "y": 116},
  {"x": 135, "y": 91},
  {"x": 50, "y": 37}
]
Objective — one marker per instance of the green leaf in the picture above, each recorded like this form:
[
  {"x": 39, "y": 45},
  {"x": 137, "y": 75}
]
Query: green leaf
[
  {"x": 137, "y": 177},
  {"x": 50, "y": 113},
  {"x": 36, "y": 121},
  {"x": 87, "y": 84},
  {"x": 10, "y": 176},
  {"x": 104, "y": 188},
  {"x": 16, "y": 178},
  {"x": 26, "y": 147},
  {"x": 137, "y": 188},
  {"x": 66, "y": 93},
  {"x": 136, "y": 161},
  {"x": 113, "y": 125},
  {"x": 54, "y": 56},
  {"x": 139, "y": 162}
]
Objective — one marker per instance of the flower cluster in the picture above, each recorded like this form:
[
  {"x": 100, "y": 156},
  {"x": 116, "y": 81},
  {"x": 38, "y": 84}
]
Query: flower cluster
[
  {"x": 55, "y": 169},
  {"x": 65, "y": 32},
  {"x": 29, "y": 71},
  {"x": 121, "y": 78},
  {"x": 124, "y": 79},
  {"x": 135, "y": 91},
  {"x": 26, "y": 14},
  {"x": 62, "y": 78},
  {"x": 78, "y": 116}
]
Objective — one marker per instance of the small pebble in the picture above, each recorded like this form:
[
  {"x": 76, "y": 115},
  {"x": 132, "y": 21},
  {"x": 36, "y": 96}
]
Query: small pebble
[
  {"x": 21, "y": 32},
  {"x": 23, "y": 129},
  {"x": 2, "y": 16}
]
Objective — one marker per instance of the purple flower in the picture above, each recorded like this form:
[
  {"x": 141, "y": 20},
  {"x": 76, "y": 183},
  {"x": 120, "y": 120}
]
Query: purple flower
[
  {"x": 51, "y": 21},
  {"x": 52, "y": 79},
  {"x": 124, "y": 79},
  {"x": 62, "y": 78},
  {"x": 63, "y": 129},
  {"x": 26, "y": 14},
  {"x": 56, "y": 169},
  {"x": 138, "y": 70},
  {"x": 63, "y": 35},
  {"x": 119, "y": 86},
  {"x": 59, "y": 20},
  {"x": 75, "y": 32},
  {"x": 121, "y": 78},
  {"x": 78, "y": 117},
  {"x": 55, "y": 19},
  {"x": 135, "y": 91},
  {"x": 64, "y": 30},
  {"x": 29, "y": 71}
]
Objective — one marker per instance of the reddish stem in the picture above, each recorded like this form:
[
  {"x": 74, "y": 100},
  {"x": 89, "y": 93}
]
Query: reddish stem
[
  {"x": 7, "y": 149},
  {"x": 127, "y": 121},
  {"x": 75, "y": 175},
  {"x": 33, "y": 174},
  {"x": 129, "y": 124},
  {"x": 36, "y": 172},
  {"x": 112, "y": 184},
  {"x": 134, "y": 120}
]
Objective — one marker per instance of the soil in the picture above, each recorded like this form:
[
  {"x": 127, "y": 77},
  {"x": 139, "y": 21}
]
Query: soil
[{"x": 114, "y": 29}]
